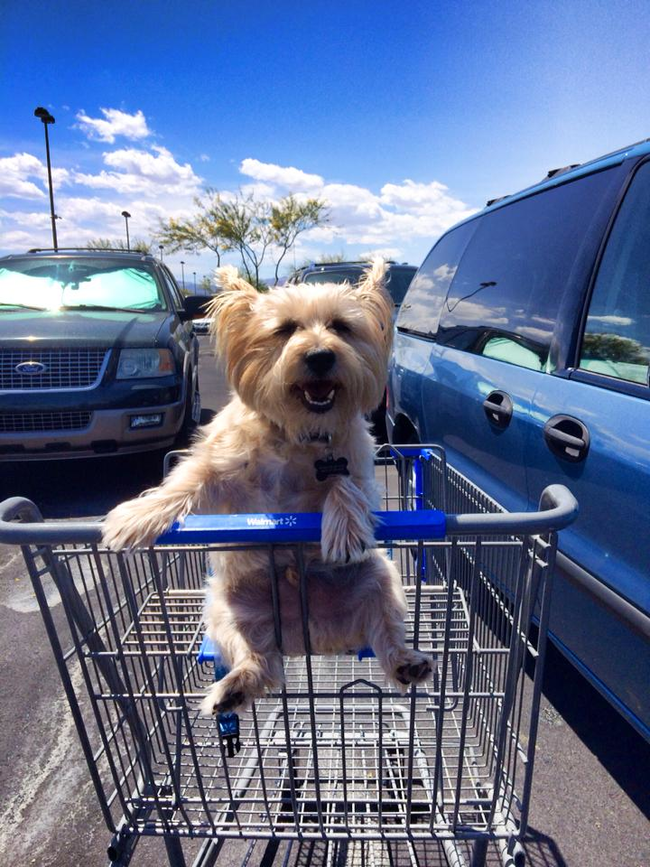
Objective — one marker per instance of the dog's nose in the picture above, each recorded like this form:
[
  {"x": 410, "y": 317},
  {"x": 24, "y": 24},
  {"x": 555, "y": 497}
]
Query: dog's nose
[{"x": 320, "y": 361}]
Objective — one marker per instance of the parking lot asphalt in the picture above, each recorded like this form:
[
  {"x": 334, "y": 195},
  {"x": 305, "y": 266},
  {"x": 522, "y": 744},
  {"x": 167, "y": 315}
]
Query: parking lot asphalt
[{"x": 591, "y": 792}]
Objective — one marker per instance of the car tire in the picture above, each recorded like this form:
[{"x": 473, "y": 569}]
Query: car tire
[{"x": 189, "y": 424}]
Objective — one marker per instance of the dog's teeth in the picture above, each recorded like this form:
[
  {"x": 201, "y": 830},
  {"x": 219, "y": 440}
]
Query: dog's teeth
[{"x": 314, "y": 402}]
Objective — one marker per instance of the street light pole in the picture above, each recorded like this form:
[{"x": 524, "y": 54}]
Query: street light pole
[
  {"x": 126, "y": 216},
  {"x": 194, "y": 272},
  {"x": 161, "y": 252},
  {"x": 46, "y": 118},
  {"x": 183, "y": 274}
]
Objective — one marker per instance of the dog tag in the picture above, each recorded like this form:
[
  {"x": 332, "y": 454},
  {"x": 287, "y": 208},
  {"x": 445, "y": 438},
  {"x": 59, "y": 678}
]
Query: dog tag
[{"x": 331, "y": 467}]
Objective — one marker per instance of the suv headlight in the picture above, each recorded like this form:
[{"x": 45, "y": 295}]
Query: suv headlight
[{"x": 144, "y": 363}]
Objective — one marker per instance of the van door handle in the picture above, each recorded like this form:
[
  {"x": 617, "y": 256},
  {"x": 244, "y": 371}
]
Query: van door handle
[
  {"x": 498, "y": 409},
  {"x": 567, "y": 437}
]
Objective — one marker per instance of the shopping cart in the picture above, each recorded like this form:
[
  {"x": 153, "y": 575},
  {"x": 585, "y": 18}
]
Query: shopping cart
[{"x": 337, "y": 755}]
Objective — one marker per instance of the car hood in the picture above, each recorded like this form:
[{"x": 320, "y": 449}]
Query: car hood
[{"x": 100, "y": 328}]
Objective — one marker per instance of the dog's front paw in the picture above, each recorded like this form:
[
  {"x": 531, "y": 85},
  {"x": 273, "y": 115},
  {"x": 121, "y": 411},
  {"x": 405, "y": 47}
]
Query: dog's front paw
[
  {"x": 132, "y": 525},
  {"x": 346, "y": 542},
  {"x": 413, "y": 666},
  {"x": 346, "y": 547},
  {"x": 347, "y": 532},
  {"x": 233, "y": 692}
]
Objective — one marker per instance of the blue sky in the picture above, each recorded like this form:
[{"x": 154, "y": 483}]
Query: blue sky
[{"x": 403, "y": 117}]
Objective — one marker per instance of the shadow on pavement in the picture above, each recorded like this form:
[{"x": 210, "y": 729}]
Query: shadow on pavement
[
  {"x": 623, "y": 753},
  {"x": 84, "y": 487},
  {"x": 542, "y": 851}
]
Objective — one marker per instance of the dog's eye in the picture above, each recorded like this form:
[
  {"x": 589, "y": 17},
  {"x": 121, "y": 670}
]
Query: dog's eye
[
  {"x": 286, "y": 329},
  {"x": 340, "y": 326}
]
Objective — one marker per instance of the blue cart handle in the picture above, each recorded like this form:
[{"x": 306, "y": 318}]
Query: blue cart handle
[
  {"x": 557, "y": 509},
  {"x": 279, "y": 528}
]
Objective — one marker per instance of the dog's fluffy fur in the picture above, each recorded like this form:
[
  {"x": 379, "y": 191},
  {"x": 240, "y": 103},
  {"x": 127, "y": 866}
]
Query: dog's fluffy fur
[{"x": 306, "y": 363}]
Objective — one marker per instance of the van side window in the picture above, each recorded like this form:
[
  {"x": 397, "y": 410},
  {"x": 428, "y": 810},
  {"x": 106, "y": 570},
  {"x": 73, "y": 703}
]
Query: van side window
[
  {"x": 420, "y": 309},
  {"x": 616, "y": 340},
  {"x": 504, "y": 300}
]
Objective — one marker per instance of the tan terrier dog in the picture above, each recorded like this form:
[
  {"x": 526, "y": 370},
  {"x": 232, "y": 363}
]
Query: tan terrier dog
[{"x": 306, "y": 363}]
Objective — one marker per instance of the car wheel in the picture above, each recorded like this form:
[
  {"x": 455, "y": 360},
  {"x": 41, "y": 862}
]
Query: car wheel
[{"x": 190, "y": 416}]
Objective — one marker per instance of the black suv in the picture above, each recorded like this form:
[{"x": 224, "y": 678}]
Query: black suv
[
  {"x": 398, "y": 276},
  {"x": 97, "y": 355}
]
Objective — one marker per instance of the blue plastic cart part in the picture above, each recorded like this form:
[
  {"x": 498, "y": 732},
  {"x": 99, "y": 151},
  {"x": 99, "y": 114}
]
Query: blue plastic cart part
[
  {"x": 228, "y": 726},
  {"x": 279, "y": 527},
  {"x": 209, "y": 652}
]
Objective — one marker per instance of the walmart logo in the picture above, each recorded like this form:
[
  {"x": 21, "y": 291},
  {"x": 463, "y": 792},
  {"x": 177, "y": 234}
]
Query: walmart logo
[{"x": 268, "y": 521}]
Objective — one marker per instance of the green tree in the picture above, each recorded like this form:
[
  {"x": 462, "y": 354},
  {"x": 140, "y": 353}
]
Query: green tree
[
  {"x": 197, "y": 233},
  {"x": 289, "y": 218},
  {"x": 137, "y": 245},
  {"x": 244, "y": 225}
]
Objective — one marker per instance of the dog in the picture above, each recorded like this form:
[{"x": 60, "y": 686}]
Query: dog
[{"x": 306, "y": 364}]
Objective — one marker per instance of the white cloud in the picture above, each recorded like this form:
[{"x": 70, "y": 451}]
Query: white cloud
[
  {"x": 282, "y": 176},
  {"x": 17, "y": 172},
  {"x": 390, "y": 220},
  {"x": 393, "y": 253},
  {"x": 114, "y": 123},
  {"x": 14, "y": 176},
  {"x": 151, "y": 173}
]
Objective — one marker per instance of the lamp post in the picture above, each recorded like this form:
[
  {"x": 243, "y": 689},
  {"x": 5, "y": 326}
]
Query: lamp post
[
  {"x": 161, "y": 252},
  {"x": 183, "y": 274},
  {"x": 126, "y": 216},
  {"x": 46, "y": 119}
]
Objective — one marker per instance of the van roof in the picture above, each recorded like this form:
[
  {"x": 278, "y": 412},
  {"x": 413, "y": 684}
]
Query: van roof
[{"x": 560, "y": 176}]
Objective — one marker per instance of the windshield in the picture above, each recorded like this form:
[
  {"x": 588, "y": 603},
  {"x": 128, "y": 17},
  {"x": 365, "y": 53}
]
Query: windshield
[
  {"x": 68, "y": 284},
  {"x": 398, "y": 279}
]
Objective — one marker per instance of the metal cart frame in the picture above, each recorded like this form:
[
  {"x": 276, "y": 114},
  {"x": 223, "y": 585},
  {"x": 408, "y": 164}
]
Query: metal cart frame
[{"x": 337, "y": 754}]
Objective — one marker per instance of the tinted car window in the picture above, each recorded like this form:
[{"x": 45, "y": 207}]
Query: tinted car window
[
  {"x": 420, "y": 310},
  {"x": 617, "y": 334},
  {"x": 505, "y": 296},
  {"x": 55, "y": 284},
  {"x": 173, "y": 290},
  {"x": 351, "y": 275},
  {"x": 399, "y": 280}
]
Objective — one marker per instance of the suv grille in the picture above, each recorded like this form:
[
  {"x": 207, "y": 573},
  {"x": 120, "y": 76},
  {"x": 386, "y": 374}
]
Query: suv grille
[
  {"x": 63, "y": 368},
  {"x": 23, "y": 422}
]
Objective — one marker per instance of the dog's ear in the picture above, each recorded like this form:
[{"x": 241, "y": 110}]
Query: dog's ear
[
  {"x": 230, "y": 309},
  {"x": 374, "y": 298}
]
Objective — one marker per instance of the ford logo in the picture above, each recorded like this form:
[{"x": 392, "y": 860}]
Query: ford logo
[{"x": 30, "y": 367}]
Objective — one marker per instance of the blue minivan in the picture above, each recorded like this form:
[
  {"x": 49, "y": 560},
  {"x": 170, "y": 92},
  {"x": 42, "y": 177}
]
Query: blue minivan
[{"x": 523, "y": 347}]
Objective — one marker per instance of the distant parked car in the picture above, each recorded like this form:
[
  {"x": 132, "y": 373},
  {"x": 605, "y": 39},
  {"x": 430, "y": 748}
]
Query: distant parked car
[
  {"x": 399, "y": 276},
  {"x": 202, "y": 326},
  {"x": 398, "y": 280},
  {"x": 97, "y": 355},
  {"x": 523, "y": 346}
]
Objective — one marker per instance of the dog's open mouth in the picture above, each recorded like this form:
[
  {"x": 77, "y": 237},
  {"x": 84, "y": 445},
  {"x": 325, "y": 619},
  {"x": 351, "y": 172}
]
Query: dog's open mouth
[{"x": 317, "y": 395}]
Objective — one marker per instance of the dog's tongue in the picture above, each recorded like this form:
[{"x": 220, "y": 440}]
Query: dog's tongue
[{"x": 319, "y": 390}]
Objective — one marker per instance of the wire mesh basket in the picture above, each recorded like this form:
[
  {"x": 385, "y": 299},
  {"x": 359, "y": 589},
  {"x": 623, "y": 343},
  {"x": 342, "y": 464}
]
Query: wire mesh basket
[{"x": 338, "y": 753}]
